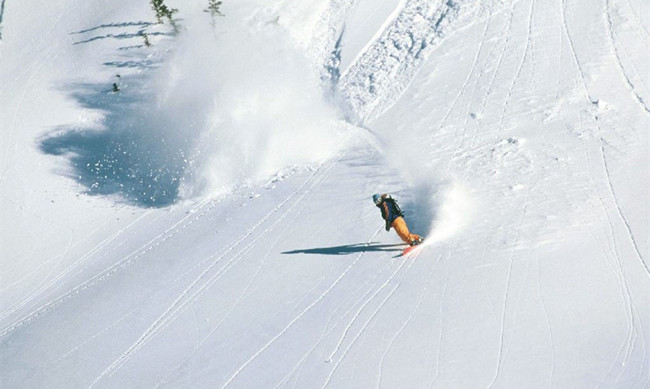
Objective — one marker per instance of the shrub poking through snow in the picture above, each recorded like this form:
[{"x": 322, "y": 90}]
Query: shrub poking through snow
[
  {"x": 213, "y": 8},
  {"x": 162, "y": 11}
]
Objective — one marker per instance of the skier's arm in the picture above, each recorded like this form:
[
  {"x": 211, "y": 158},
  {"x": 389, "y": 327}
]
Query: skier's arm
[{"x": 385, "y": 214}]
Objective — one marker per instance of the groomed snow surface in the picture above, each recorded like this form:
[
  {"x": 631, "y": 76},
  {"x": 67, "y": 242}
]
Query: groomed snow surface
[{"x": 210, "y": 224}]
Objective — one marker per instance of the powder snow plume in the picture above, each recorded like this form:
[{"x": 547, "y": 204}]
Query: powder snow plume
[
  {"x": 221, "y": 105},
  {"x": 251, "y": 101},
  {"x": 435, "y": 205}
]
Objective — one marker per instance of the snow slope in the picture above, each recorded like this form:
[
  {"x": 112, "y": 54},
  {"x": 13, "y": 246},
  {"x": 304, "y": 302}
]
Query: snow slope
[{"x": 210, "y": 224}]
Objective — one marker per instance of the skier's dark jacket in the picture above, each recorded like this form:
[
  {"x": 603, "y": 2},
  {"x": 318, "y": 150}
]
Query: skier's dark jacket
[{"x": 389, "y": 210}]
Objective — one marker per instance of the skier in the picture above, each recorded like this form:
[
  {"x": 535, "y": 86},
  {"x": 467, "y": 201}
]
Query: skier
[{"x": 394, "y": 218}]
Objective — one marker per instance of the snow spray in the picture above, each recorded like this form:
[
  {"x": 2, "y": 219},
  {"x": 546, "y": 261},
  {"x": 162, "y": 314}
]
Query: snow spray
[{"x": 248, "y": 99}]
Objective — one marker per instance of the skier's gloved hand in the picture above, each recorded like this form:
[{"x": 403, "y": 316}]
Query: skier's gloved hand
[{"x": 387, "y": 226}]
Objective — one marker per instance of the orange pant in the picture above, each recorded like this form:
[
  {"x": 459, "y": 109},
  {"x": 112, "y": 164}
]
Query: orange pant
[{"x": 403, "y": 231}]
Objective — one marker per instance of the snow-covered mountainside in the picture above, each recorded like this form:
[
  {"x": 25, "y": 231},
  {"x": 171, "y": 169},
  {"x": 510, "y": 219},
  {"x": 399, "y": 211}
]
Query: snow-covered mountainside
[{"x": 192, "y": 208}]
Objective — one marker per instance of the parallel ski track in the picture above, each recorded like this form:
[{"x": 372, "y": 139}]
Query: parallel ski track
[
  {"x": 74, "y": 266},
  {"x": 371, "y": 317},
  {"x": 119, "y": 265},
  {"x": 280, "y": 238},
  {"x": 464, "y": 88},
  {"x": 393, "y": 339},
  {"x": 242, "y": 295},
  {"x": 362, "y": 307},
  {"x": 501, "y": 56},
  {"x": 365, "y": 325},
  {"x": 519, "y": 69},
  {"x": 294, "y": 320},
  {"x": 356, "y": 315},
  {"x": 330, "y": 327},
  {"x": 628, "y": 345},
  {"x": 187, "y": 297}
]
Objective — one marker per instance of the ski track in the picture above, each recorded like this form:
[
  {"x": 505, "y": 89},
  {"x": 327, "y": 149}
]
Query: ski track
[
  {"x": 178, "y": 306},
  {"x": 628, "y": 345},
  {"x": 235, "y": 305},
  {"x": 294, "y": 320},
  {"x": 623, "y": 72},
  {"x": 507, "y": 289},
  {"x": 574, "y": 53},
  {"x": 547, "y": 319},
  {"x": 619, "y": 211},
  {"x": 61, "y": 256},
  {"x": 328, "y": 329},
  {"x": 361, "y": 331},
  {"x": 121, "y": 264},
  {"x": 47, "y": 284},
  {"x": 501, "y": 56},
  {"x": 372, "y": 316},
  {"x": 376, "y": 97},
  {"x": 625, "y": 291},
  {"x": 518, "y": 73},
  {"x": 441, "y": 315},
  {"x": 462, "y": 138},
  {"x": 91, "y": 338},
  {"x": 627, "y": 296},
  {"x": 361, "y": 309},
  {"x": 404, "y": 325}
]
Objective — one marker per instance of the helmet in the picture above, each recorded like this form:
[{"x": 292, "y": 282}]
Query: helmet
[{"x": 376, "y": 198}]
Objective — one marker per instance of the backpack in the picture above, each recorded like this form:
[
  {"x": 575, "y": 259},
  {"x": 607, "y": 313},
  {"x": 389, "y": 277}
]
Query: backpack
[{"x": 394, "y": 208}]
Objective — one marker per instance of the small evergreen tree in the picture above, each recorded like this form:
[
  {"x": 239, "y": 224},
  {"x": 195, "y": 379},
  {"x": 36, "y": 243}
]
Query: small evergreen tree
[
  {"x": 213, "y": 9},
  {"x": 146, "y": 39},
  {"x": 162, "y": 11}
]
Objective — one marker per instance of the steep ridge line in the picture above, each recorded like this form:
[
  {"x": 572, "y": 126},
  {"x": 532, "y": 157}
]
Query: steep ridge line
[{"x": 379, "y": 75}]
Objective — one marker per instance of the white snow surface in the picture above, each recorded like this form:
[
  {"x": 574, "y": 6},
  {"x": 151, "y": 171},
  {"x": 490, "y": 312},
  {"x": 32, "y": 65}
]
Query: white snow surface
[{"x": 211, "y": 224}]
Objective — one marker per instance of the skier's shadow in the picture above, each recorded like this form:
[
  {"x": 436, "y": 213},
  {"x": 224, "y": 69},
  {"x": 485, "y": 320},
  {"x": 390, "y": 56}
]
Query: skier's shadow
[{"x": 350, "y": 249}]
